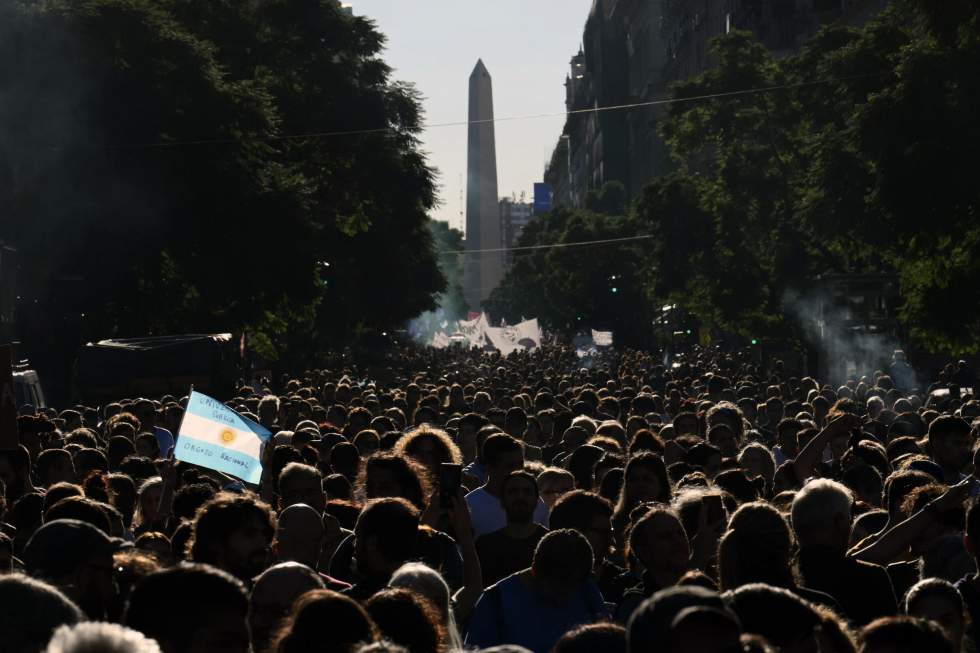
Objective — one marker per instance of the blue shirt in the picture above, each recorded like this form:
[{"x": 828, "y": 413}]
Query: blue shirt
[
  {"x": 511, "y": 612},
  {"x": 477, "y": 470},
  {"x": 165, "y": 440}
]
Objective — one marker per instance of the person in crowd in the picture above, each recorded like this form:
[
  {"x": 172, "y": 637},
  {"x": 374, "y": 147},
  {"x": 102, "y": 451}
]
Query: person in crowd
[
  {"x": 391, "y": 475},
  {"x": 649, "y": 627},
  {"x": 300, "y": 483},
  {"x": 408, "y": 619},
  {"x": 593, "y": 637},
  {"x": 950, "y": 442},
  {"x": 536, "y": 607},
  {"x": 323, "y": 611},
  {"x": 385, "y": 538},
  {"x": 233, "y": 533},
  {"x": 938, "y": 601},
  {"x": 660, "y": 544},
  {"x": 75, "y": 557},
  {"x": 899, "y": 634},
  {"x": 32, "y": 611},
  {"x": 429, "y": 584},
  {"x": 872, "y": 491},
  {"x": 591, "y": 515},
  {"x": 503, "y": 455},
  {"x": 821, "y": 520},
  {"x": 645, "y": 481},
  {"x": 299, "y": 535},
  {"x": 758, "y": 548},
  {"x": 553, "y": 483},
  {"x": 800, "y": 626},
  {"x": 273, "y": 594},
  {"x": 511, "y": 548},
  {"x": 15, "y": 473},
  {"x": 103, "y": 637},
  {"x": 209, "y": 605},
  {"x": 54, "y": 466},
  {"x": 429, "y": 447},
  {"x": 705, "y": 630}
]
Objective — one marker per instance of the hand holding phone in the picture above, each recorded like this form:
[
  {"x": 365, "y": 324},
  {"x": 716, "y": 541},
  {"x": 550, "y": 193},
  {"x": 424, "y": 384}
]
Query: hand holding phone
[
  {"x": 714, "y": 509},
  {"x": 450, "y": 479}
]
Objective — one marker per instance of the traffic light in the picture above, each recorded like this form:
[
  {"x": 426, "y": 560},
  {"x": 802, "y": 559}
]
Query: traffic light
[
  {"x": 614, "y": 289},
  {"x": 755, "y": 341}
]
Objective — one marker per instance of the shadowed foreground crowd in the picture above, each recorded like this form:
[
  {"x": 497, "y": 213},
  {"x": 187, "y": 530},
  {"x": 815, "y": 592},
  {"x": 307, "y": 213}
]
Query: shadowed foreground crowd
[{"x": 712, "y": 506}]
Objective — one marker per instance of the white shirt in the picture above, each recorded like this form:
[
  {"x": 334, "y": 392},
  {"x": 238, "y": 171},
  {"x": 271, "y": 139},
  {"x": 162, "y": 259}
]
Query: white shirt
[{"x": 488, "y": 515}]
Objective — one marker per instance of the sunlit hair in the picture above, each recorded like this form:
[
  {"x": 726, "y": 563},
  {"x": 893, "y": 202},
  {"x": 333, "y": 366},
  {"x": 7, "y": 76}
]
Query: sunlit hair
[
  {"x": 446, "y": 449},
  {"x": 103, "y": 637},
  {"x": 427, "y": 582}
]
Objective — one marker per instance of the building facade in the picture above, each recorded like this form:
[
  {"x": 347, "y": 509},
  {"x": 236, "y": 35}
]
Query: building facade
[
  {"x": 632, "y": 50},
  {"x": 515, "y": 214}
]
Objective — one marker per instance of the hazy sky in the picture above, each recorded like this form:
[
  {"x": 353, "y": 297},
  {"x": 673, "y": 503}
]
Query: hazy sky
[{"x": 526, "y": 46}]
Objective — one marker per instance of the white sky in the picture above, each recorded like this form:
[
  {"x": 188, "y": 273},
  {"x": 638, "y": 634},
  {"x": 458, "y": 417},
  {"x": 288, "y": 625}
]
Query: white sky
[{"x": 526, "y": 46}]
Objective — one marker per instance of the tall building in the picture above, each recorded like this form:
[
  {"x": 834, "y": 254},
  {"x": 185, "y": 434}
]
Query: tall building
[
  {"x": 514, "y": 216},
  {"x": 632, "y": 50},
  {"x": 8, "y": 291},
  {"x": 483, "y": 269},
  {"x": 593, "y": 149}
]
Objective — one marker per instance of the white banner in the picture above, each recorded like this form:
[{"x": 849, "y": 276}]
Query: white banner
[
  {"x": 474, "y": 330},
  {"x": 602, "y": 338},
  {"x": 523, "y": 336}
]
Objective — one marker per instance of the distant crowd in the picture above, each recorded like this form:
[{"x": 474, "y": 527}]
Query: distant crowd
[{"x": 452, "y": 500}]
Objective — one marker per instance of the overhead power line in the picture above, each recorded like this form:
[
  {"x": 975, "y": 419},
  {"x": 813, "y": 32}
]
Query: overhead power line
[
  {"x": 525, "y": 248},
  {"x": 663, "y": 100}
]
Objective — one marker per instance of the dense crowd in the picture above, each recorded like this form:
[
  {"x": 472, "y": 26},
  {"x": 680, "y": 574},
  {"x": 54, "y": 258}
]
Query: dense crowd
[{"x": 452, "y": 500}]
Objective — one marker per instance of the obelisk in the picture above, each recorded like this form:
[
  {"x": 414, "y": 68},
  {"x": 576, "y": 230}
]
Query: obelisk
[{"x": 483, "y": 270}]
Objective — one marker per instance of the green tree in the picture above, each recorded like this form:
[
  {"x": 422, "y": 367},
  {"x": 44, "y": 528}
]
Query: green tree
[
  {"x": 569, "y": 288},
  {"x": 153, "y": 161},
  {"x": 921, "y": 133},
  {"x": 448, "y": 242},
  {"x": 860, "y": 160},
  {"x": 728, "y": 243}
]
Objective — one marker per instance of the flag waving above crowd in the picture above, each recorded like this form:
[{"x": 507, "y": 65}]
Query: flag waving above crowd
[{"x": 214, "y": 436}]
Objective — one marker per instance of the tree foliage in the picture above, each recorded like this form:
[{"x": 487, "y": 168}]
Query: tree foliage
[
  {"x": 858, "y": 156},
  {"x": 155, "y": 166},
  {"x": 571, "y": 288}
]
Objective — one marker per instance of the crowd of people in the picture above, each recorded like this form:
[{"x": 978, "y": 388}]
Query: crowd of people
[{"x": 538, "y": 502}]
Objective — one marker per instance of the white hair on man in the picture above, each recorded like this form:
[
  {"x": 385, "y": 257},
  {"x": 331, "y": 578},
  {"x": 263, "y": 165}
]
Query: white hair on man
[
  {"x": 100, "y": 637},
  {"x": 875, "y": 405},
  {"x": 821, "y": 511},
  {"x": 384, "y": 646},
  {"x": 268, "y": 402},
  {"x": 585, "y": 422}
]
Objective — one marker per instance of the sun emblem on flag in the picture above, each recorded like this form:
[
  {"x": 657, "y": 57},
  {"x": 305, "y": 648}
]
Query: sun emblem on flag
[{"x": 227, "y": 436}]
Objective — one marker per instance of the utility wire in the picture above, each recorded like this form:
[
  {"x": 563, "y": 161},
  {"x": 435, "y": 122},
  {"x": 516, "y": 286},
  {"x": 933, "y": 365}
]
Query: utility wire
[
  {"x": 582, "y": 243},
  {"x": 663, "y": 100}
]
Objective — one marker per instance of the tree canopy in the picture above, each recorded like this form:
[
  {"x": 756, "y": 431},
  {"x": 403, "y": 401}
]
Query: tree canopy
[
  {"x": 156, "y": 164},
  {"x": 857, "y": 157}
]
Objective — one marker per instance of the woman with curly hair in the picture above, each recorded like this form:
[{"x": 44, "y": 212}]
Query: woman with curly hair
[
  {"x": 391, "y": 475},
  {"x": 430, "y": 447}
]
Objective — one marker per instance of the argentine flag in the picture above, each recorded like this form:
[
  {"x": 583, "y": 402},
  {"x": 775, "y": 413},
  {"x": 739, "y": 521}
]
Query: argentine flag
[{"x": 214, "y": 436}]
